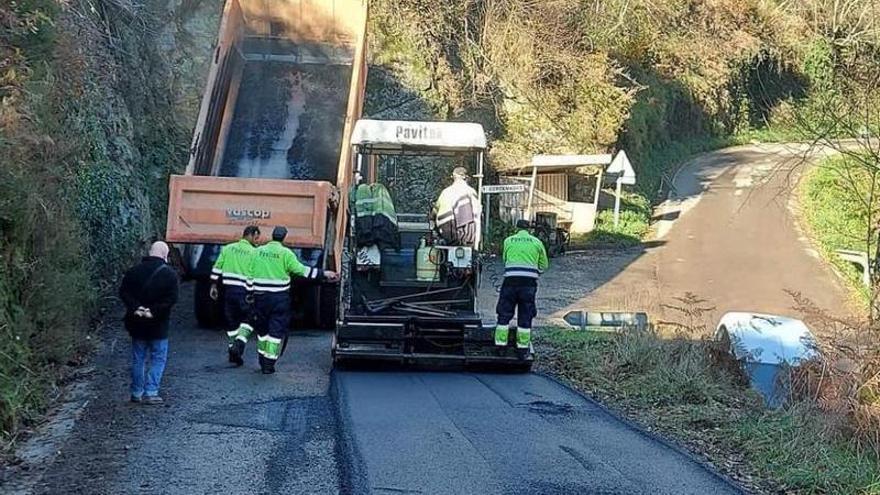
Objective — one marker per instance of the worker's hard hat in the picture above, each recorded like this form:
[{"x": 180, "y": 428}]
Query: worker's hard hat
[{"x": 459, "y": 172}]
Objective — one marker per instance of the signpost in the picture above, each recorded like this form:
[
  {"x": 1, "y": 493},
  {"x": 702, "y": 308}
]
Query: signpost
[
  {"x": 626, "y": 175},
  {"x": 504, "y": 189},
  {"x": 498, "y": 189}
]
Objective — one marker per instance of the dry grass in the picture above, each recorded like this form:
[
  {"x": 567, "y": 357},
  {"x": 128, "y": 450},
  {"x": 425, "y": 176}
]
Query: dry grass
[
  {"x": 678, "y": 381},
  {"x": 845, "y": 382}
]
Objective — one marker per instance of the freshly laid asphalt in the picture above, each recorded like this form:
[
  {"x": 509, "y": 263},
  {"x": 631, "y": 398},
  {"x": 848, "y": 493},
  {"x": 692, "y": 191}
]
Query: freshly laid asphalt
[{"x": 466, "y": 433}]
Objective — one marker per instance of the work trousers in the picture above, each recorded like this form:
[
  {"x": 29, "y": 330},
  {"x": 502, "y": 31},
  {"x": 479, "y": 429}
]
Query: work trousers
[
  {"x": 239, "y": 313},
  {"x": 518, "y": 299},
  {"x": 273, "y": 321}
]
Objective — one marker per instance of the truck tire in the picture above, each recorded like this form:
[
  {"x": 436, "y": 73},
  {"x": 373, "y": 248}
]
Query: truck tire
[
  {"x": 315, "y": 307},
  {"x": 209, "y": 313},
  {"x": 328, "y": 306}
]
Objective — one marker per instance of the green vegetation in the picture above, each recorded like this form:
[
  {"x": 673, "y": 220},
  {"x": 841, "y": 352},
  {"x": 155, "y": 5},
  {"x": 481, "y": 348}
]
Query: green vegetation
[
  {"x": 43, "y": 271},
  {"x": 90, "y": 127},
  {"x": 833, "y": 195},
  {"x": 686, "y": 390},
  {"x": 794, "y": 447},
  {"x": 635, "y": 214},
  {"x": 672, "y": 80},
  {"x": 557, "y": 77}
]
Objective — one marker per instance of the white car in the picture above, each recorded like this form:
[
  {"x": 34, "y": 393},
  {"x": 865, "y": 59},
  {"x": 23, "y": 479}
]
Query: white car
[{"x": 766, "y": 345}]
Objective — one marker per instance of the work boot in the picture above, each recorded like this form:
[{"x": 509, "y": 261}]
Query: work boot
[
  {"x": 153, "y": 399},
  {"x": 230, "y": 336},
  {"x": 236, "y": 349},
  {"x": 501, "y": 334},
  {"x": 523, "y": 338},
  {"x": 267, "y": 366}
]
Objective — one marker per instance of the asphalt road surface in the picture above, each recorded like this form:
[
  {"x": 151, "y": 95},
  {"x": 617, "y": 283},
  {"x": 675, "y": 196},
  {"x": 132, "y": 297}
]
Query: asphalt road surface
[
  {"x": 222, "y": 430},
  {"x": 730, "y": 235},
  {"x": 308, "y": 430},
  {"x": 462, "y": 433}
]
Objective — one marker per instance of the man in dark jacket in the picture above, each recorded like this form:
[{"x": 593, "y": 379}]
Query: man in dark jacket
[{"x": 149, "y": 291}]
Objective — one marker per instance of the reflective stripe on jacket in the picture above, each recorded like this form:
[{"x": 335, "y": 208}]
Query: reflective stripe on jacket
[
  {"x": 458, "y": 214},
  {"x": 376, "y": 218},
  {"x": 453, "y": 199},
  {"x": 524, "y": 256},
  {"x": 235, "y": 264},
  {"x": 374, "y": 199},
  {"x": 274, "y": 263}
]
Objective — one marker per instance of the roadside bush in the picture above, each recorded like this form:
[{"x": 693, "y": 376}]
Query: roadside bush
[
  {"x": 43, "y": 273},
  {"x": 45, "y": 289},
  {"x": 833, "y": 196},
  {"x": 81, "y": 181},
  {"x": 795, "y": 447},
  {"x": 635, "y": 215},
  {"x": 844, "y": 383},
  {"x": 494, "y": 242}
]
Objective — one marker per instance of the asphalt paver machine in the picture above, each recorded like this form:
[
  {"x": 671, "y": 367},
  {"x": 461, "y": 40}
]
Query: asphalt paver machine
[{"x": 416, "y": 300}]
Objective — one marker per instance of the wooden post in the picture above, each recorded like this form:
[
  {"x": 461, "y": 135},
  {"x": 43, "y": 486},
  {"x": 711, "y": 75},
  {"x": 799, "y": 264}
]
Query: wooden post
[
  {"x": 531, "y": 193},
  {"x": 596, "y": 198}
]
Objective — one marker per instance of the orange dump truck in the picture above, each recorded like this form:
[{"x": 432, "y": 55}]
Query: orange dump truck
[{"x": 272, "y": 142}]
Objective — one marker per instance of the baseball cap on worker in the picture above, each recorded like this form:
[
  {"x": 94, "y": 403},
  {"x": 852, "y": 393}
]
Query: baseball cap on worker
[
  {"x": 459, "y": 172},
  {"x": 522, "y": 224},
  {"x": 279, "y": 233}
]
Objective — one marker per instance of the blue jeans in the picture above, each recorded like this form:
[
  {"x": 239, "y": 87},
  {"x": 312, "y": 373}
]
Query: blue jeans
[{"x": 158, "y": 350}]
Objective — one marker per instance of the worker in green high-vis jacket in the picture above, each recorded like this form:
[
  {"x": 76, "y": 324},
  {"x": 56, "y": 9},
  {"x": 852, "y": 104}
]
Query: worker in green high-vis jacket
[
  {"x": 233, "y": 269},
  {"x": 525, "y": 259},
  {"x": 274, "y": 264}
]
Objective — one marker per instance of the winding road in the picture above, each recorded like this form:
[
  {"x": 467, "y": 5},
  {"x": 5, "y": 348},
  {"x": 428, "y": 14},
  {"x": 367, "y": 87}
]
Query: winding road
[{"x": 729, "y": 236}]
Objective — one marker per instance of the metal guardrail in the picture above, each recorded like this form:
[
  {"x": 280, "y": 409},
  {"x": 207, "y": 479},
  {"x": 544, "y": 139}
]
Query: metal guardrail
[
  {"x": 858, "y": 258},
  {"x": 607, "y": 321}
]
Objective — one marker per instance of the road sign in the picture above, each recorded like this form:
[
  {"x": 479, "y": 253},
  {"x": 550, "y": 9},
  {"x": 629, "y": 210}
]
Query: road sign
[
  {"x": 622, "y": 166},
  {"x": 504, "y": 189},
  {"x": 499, "y": 189},
  {"x": 626, "y": 174}
]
